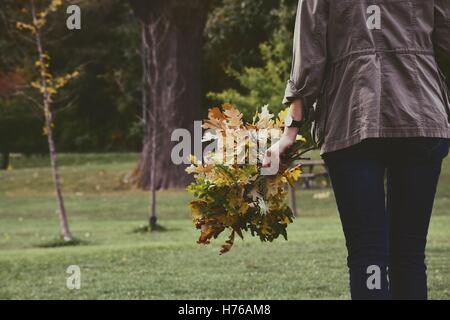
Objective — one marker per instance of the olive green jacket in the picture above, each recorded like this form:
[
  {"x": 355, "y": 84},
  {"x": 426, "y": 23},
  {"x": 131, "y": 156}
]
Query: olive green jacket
[{"x": 367, "y": 69}]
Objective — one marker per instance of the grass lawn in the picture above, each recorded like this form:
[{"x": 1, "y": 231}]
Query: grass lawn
[{"x": 117, "y": 263}]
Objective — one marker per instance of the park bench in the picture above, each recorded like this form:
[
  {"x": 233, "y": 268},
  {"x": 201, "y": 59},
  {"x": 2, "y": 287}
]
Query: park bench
[{"x": 310, "y": 176}]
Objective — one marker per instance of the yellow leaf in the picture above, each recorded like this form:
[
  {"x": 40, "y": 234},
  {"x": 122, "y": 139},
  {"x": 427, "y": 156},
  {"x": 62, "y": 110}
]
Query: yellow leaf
[
  {"x": 285, "y": 220},
  {"x": 293, "y": 174},
  {"x": 244, "y": 208},
  {"x": 266, "y": 229},
  {"x": 281, "y": 117},
  {"x": 196, "y": 212},
  {"x": 25, "y": 26},
  {"x": 51, "y": 90},
  {"x": 301, "y": 138},
  {"x": 35, "y": 85}
]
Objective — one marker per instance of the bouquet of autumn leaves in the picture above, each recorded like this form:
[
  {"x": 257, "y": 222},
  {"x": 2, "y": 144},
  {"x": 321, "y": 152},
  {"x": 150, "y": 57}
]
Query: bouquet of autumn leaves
[{"x": 231, "y": 194}]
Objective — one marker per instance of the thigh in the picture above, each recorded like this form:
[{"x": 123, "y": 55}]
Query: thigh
[
  {"x": 412, "y": 179},
  {"x": 357, "y": 175}
]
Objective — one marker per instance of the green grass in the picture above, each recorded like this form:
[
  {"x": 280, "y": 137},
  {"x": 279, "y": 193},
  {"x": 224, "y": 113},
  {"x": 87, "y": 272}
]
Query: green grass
[{"x": 117, "y": 262}]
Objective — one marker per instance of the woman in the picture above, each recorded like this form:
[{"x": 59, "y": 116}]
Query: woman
[{"x": 367, "y": 75}]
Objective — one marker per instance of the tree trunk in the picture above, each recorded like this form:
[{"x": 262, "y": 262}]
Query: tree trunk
[
  {"x": 47, "y": 101},
  {"x": 145, "y": 114},
  {"x": 63, "y": 222},
  {"x": 5, "y": 160},
  {"x": 172, "y": 52},
  {"x": 152, "y": 204}
]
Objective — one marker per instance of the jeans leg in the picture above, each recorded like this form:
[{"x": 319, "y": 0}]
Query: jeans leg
[
  {"x": 412, "y": 182},
  {"x": 358, "y": 182}
]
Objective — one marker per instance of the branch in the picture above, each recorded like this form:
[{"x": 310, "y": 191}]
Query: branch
[{"x": 30, "y": 98}]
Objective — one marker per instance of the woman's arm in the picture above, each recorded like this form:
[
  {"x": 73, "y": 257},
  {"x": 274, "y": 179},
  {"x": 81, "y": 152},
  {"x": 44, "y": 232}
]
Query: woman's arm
[
  {"x": 289, "y": 135},
  {"x": 308, "y": 69},
  {"x": 309, "y": 57}
]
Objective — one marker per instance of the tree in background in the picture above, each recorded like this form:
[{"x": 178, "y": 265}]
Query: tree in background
[
  {"x": 104, "y": 114},
  {"x": 48, "y": 86},
  {"x": 172, "y": 42},
  {"x": 265, "y": 84},
  {"x": 233, "y": 33},
  {"x": 20, "y": 128}
]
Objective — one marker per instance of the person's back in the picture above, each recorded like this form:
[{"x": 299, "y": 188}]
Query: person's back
[
  {"x": 366, "y": 72},
  {"x": 371, "y": 65}
]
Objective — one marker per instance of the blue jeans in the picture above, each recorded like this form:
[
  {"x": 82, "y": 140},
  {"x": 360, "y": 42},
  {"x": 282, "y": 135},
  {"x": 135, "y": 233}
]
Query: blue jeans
[{"x": 385, "y": 190}]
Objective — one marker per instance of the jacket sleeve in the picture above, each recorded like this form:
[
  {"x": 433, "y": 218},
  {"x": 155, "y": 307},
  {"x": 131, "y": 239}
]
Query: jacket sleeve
[
  {"x": 441, "y": 33},
  {"x": 310, "y": 52}
]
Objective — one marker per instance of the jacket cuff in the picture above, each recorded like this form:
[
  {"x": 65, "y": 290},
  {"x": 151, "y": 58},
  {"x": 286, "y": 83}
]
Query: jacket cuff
[{"x": 292, "y": 93}]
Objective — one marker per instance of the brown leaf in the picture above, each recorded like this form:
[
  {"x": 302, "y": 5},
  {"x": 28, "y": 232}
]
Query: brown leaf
[
  {"x": 228, "y": 244},
  {"x": 208, "y": 231},
  {"x": 216, "y": 113}
]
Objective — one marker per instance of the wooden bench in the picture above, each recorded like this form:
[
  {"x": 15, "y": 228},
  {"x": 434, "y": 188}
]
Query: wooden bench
[
  {"x": 309, "y": 176},
  {"x": 308, "y": 179}
]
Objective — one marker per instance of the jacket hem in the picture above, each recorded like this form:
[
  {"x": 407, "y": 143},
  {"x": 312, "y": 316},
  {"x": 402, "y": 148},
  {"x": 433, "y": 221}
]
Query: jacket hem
[{"x": 384, "y": 133}]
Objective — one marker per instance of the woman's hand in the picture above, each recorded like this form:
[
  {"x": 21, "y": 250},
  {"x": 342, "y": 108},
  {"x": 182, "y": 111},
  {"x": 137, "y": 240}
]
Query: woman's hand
[{"x": 272, "y": 155}]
